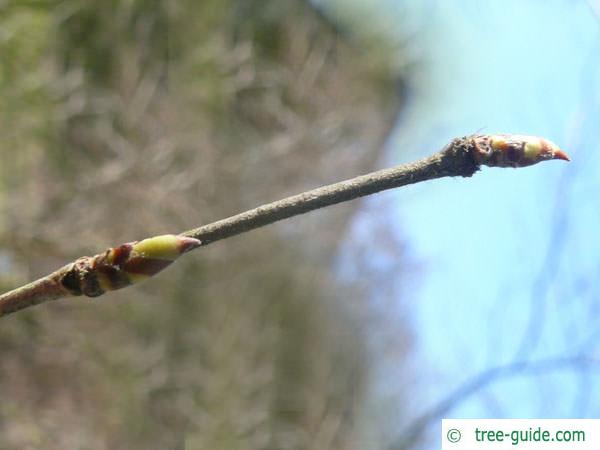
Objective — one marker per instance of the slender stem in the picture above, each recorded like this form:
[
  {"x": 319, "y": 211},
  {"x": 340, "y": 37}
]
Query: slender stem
[
  {"x": 455, "y": 159},
  {"x": 34, "y": 293}
]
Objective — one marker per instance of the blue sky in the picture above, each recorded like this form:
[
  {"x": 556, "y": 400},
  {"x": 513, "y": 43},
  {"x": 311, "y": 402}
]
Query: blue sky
[{"x": 508, "y": 259}]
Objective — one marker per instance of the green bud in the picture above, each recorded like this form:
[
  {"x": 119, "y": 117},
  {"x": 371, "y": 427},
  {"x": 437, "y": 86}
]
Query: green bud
[
  {"x": 513, "y": 150},
  {"x": 126, "y": 264}
]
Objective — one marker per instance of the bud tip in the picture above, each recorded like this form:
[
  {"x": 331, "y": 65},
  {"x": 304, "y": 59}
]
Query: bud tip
[
  {"x": 559, "y": 154},
  {"x": 188, "y": 243}
]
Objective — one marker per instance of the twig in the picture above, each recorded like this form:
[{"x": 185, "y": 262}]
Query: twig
[
  {"x": 121, "y": 266},
  {"x": 485, "y": 379}
]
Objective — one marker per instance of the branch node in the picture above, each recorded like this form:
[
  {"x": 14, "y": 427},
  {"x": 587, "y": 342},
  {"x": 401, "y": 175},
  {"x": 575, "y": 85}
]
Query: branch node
[{"x": 459, "y": 157}]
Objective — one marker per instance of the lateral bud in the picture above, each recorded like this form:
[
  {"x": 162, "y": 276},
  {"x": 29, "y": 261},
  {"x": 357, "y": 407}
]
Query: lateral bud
[{"x": 126, "y": 264}]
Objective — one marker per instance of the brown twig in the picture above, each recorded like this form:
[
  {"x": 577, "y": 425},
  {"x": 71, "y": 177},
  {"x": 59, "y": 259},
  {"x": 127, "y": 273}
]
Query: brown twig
[
  {"x": 121, "y": 266},
  {"x": 454, "y": 160}
]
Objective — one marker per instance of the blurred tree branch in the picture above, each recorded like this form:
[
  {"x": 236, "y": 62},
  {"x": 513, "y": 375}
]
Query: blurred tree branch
[
  {"x": 134, "y": 118},
  {"x": 484, "y": 379}
]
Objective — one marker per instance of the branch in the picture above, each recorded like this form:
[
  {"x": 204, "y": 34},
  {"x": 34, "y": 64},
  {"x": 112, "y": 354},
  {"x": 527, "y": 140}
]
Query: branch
[
  {"x": 128, "y": 263},
  {"x": 483, "y": 380}
]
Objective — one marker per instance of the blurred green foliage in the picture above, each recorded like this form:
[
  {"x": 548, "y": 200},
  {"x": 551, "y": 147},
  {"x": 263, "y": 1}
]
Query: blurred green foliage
[{"x": 122, "y": 119}]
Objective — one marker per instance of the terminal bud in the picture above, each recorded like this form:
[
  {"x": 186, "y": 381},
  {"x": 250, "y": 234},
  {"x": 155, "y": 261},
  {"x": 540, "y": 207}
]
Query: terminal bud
[{"x": 513, "y": 150}]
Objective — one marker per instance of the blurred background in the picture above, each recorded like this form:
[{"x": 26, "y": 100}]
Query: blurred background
[{"x": 355, "y": 327}]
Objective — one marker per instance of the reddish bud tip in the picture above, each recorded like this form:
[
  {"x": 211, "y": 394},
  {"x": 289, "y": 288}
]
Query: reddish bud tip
[
  {"x": 187, "y": 243},
  {"x": 559, "y": 154}
]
